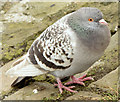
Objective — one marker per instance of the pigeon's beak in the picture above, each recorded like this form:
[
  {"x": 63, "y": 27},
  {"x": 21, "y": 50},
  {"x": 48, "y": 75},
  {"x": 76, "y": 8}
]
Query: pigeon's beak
[{"x": 102, "y": 21}]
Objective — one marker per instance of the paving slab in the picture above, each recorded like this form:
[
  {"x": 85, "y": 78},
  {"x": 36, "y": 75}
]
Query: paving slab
[
  {"x": 108, "y": 83},
  {"x": 84, "y": 95},
  {"x": 36, "y": 91}
]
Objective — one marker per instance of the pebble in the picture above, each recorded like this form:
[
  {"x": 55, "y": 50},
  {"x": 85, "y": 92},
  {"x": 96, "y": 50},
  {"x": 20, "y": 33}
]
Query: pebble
[
  {"x": 116, "y": 28},
  {"x": 35, "y": 91},
  {"x": 2, "y": 12}
]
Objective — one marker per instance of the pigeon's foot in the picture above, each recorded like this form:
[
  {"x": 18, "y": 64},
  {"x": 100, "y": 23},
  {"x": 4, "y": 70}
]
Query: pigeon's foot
[
  {"x": 60, "y": 86},
  {"x": 79, "y": 80}
]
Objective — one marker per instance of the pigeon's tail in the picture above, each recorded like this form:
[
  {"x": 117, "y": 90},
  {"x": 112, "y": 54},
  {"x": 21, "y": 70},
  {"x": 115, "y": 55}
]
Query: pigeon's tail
[
  {"x": 19, "y": 79},
  {"x": 18, "y": 61},
  {"x": 23, "y": 67}
]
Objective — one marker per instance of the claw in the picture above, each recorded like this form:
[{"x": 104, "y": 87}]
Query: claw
[
  {"x": 60, "y": 86},
  {"x": 88, "y": 78},
  {"x": 79, "y": 80},
  {"x": 55, "y": 84},
  {"x": 74, "y": 80},
  {"x": 82, "y": 77},
  {"x": 71, "y": 87},
  {"x": 70, "y": 82}
]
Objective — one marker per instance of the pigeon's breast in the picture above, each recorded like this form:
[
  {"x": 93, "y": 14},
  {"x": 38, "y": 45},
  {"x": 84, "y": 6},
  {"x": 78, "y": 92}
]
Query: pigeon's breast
[
  {"x": 96, "y": 39},
  {"x": 83, "y": 57},
  {"x": 88, "y": 50}
]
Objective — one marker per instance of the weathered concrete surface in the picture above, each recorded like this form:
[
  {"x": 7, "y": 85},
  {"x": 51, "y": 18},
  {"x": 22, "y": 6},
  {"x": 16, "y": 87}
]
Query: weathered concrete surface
[
  {"x": 84, "y": 95},
  {"x": 5, "y": 81},
  {"x": 44, "y": 90},
  {"x": 109, "y": 82}
]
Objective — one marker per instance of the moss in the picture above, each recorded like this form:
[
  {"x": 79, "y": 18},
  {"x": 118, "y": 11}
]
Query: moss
[
  {"x": 45, "y": 77},
  {"x": 50, "y": 99},
  {"x": 7, "y": 93},
  {"x": 13, "y": 53},
  {"x": 40, "y": 78},
  {"x": 50, "y": 78},
  {"x": 6, "y": 7},
  {"x": 3, "y": 93},
  {"x": 59, "y": 96}
]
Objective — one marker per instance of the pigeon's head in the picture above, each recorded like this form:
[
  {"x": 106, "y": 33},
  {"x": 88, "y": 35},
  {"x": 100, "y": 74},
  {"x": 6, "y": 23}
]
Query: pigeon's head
[
  {"x": 86, "y": 17},
  {"x": 89, "y": 24},
  {"x": 90, "y": 16}
]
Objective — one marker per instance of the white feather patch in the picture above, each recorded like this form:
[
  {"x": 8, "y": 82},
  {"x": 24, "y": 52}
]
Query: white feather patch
[
  {"x": 19, "y": 60},
  {"x": 43, "y": 66},
  {"x": 24, "y": 70}
]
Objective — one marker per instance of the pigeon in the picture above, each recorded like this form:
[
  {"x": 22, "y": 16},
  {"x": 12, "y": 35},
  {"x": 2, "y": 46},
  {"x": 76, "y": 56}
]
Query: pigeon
[{"x": 68, "y": 47}]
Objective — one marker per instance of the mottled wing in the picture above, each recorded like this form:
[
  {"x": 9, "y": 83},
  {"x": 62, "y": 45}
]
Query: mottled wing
[{"x": 53, "y": 49}]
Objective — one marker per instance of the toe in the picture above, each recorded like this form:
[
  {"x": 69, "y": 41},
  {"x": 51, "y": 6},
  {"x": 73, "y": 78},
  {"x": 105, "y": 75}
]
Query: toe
[
  {"x": 68, "y": 89},
  {"x": 71, "y": 87},
  {"x": 87, "y": 78},
  {"x": 68, "y": 83}
]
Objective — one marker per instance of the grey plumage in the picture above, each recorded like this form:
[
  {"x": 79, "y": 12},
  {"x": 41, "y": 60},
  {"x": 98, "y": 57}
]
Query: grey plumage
[{"x": 69, "y": 46}]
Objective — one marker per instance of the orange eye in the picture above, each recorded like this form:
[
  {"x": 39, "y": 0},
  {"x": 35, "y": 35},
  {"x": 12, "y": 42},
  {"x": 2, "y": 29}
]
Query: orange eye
[{"x": 90, "y": 19}]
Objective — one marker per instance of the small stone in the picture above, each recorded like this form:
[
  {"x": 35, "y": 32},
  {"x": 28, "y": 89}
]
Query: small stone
[
  {"x": 6, "y": 96},
  {"x": 116, "y": 28},
  {"x": 35, "y": 91},
  {"x": 2, "y": 12}
]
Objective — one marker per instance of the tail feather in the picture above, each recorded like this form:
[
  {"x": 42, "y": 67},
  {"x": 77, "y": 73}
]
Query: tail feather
[
  {"x": 19, "y": 79},
  {"x": 23, "y": 68},
  {"x": 19, "y": 60}
]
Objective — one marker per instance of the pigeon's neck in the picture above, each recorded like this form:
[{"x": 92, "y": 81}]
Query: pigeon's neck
[
  {"x": 93, "y": 37},
  {"x": 78, "y": 25}
]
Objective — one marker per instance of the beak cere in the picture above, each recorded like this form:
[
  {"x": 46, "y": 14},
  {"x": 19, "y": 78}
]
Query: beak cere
[{"x": 102, "y": 21}]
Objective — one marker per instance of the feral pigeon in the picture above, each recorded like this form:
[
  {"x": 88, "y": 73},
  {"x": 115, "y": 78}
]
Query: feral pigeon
[{"x": 69, "y": 46}]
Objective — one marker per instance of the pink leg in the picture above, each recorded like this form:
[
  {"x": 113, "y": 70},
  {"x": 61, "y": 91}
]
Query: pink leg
[
  {"x": 60, "y": 86},
  {"x": 79, "y": 80}
]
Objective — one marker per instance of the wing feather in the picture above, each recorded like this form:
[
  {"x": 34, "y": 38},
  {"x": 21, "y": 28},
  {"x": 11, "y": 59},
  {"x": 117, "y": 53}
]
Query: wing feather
[{"x": 53, "y": 49}]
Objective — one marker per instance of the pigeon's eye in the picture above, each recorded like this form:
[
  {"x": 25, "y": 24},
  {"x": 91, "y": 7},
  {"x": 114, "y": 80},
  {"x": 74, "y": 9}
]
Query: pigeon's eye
[{"x": 90, "y": 19}]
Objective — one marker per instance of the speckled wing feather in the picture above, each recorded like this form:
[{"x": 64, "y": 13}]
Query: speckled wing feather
[{"x": 53, "y": 49}]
